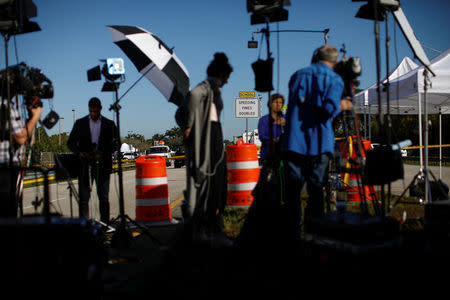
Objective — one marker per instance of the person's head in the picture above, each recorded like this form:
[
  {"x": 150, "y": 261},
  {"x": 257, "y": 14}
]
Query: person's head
[
  {"x": 276, "y": 103},
  {"x": 220, "y": 68},
  {"x": 95, "y": 107},
  {"x": 327, "y": 54}
]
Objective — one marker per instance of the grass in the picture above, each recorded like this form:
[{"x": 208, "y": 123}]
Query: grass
[{"x": 409, "y": 212}]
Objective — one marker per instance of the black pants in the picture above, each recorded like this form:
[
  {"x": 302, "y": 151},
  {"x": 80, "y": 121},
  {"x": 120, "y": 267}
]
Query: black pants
[
  {"x": 89, "y": 175},
  {"x": 8, "y": 199}
]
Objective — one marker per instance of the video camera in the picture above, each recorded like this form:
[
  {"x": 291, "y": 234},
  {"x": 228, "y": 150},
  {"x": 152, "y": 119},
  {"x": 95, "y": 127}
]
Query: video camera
[
  {"x": 29, "y": 82},
  {"x": 349, "y": 69}
]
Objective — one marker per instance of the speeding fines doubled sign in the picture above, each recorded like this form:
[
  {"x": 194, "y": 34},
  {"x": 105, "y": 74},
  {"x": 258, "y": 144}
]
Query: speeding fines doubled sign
[{"x": 247, "y": 105}]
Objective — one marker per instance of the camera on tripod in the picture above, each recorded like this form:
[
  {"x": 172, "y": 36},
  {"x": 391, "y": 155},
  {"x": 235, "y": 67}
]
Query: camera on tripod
[
  {"x": 33, "y": 85},
  {"x": 349, "y": 69},
  {"x": 29, "y": 82}
]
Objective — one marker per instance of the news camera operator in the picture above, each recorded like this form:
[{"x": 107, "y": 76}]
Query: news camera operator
[
  {"x": 93, "y": 138},
  {"x": 14, "y": 135},
  {"x": 315, "y": 98}
]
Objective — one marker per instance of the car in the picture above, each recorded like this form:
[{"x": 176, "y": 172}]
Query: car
[
  {"x": 129, "y": 156},
  {"x": 404, "y": 152},
  {"x": 163, "y": 151},
  {"x": 178, "y": 163}
]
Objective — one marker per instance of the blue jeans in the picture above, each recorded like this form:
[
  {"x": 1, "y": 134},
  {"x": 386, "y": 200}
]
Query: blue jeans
[{"x": 301, "y": 169}]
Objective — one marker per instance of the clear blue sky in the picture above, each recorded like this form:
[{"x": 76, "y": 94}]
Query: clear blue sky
[{"x": 74, "y": 37}]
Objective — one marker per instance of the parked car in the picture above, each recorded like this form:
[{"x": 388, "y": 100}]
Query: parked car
[
  {"x": 178, "y": 163},
  {"x": 163, "y": 151}
]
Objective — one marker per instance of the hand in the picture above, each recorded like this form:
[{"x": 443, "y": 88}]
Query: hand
[
  {"x": 186, "y": 134},
  {"x": 98, "y": 155},
  {"x": 281, "y": 121},
  {"x": 346, "y": 104},
  {"x": 86, "y": 155},
  {"x": 36, "y": 112}
]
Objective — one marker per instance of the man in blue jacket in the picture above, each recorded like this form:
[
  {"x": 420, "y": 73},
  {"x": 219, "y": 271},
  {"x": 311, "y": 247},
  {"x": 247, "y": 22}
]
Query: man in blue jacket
[{"x": 315, "y": 98}]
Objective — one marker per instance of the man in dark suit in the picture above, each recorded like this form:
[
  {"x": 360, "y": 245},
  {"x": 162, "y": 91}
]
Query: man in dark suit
[{"x": 93, "y": 138}]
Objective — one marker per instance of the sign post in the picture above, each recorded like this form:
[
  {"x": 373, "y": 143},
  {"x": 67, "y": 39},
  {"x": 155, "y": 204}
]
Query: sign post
[{"x": 247, "y": 106}]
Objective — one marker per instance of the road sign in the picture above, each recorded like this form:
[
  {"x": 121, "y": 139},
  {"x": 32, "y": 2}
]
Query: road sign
[{"x": 247, "y": 108}]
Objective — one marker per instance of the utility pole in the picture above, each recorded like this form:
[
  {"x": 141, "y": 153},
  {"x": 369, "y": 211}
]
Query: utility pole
[{"x": 60, "y": 130}]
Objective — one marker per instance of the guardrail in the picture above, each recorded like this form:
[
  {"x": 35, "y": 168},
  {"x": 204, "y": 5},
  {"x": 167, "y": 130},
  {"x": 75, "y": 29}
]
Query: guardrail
[{"x": 126, "y": 163}]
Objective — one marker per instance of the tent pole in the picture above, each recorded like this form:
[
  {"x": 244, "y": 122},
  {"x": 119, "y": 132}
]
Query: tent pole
[
  {"x": 420, "y": 130},
  {"x": 425, "y": 88},
  {"x": 440, "y": 143}
]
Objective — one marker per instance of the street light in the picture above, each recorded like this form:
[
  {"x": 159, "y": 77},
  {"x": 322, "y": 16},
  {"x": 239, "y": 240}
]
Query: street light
[
  {"x": 60, "y": 130},
  {"x": 73, "y": 110}
]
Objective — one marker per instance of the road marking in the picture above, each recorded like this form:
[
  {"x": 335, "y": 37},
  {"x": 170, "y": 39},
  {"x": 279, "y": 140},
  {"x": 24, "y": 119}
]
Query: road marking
[{"x": 176, "y": 202}]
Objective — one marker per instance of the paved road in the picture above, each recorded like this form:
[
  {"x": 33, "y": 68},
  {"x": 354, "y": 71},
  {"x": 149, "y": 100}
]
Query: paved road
[{"x": 60, "y": 196}]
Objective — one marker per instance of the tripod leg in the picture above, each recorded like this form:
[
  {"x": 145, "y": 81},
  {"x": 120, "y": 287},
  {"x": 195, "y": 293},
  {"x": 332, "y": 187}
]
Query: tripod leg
[
  {"x": 407, "y": 188},
  {"x": 145, "y": 230}
]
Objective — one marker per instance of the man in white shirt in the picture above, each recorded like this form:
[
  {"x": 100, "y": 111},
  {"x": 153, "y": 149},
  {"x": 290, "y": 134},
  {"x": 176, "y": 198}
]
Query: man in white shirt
[{"x": 94, "y": 139}]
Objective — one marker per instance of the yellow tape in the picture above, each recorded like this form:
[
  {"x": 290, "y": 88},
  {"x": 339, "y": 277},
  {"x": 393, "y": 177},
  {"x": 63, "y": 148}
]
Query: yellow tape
[
  {"x": 37, "y": 180},
  {"x": 429, "y": 146}
]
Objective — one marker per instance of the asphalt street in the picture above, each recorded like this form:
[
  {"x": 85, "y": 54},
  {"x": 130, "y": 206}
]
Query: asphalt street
[{"x": 62, "y": 204}]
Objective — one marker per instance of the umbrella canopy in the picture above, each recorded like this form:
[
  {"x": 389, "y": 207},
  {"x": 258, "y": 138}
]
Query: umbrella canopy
[{"x": 153, "y": 59}]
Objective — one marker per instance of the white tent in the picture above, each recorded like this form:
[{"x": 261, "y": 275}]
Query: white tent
[
  {"x": 125, "y": 148},
  {"x": 362, "y": 98},
  {"x": 407, "y": 93}
]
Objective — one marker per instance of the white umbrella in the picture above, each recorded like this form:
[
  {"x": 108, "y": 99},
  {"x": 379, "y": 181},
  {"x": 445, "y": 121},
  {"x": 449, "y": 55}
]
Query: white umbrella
[{"x": 153, "y": 59}]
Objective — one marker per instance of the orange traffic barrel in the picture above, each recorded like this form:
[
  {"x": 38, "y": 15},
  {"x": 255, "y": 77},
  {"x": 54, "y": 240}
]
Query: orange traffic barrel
[
  {"x": 152, "y": 191},
  {"x": 352, "y": 183},
  {"x": 242, "y": 173},
  {"x": 355, "y": 190}
]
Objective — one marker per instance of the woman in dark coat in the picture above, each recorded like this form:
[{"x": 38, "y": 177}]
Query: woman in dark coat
[{"x": 206, "y": 193}]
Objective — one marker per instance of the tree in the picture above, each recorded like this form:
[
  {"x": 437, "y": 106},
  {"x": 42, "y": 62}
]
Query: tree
[
  {"x": 45, "y": 143},
  {"x": 137, "y": 140},
  {"x": 172, "y": 137}
]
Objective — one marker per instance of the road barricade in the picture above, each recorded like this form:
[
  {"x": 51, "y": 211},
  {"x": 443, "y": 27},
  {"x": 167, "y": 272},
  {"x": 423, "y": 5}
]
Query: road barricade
[
  {"x": 152, "y": 191},
  {"x": 242, "y": 173},
  {"x": 351, "y": 177}
]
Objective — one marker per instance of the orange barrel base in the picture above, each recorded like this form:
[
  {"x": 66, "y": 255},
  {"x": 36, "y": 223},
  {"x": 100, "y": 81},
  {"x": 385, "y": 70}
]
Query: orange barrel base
[
  {"x": 239, "y": 199},
  {"x": 152, "y": 191},
  {"x": 242, "y": 173},
  {"x": 354, "y": 192}
]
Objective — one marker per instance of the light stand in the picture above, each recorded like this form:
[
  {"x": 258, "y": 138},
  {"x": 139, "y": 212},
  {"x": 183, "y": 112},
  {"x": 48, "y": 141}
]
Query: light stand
[
  {"x": 121, "y": 237},
  {"x": 377, "y": 10}
]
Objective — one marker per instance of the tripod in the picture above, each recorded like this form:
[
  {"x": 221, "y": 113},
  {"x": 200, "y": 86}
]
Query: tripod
[
  {"x": 121, "y": 237},
  {"x": 425, "y": 172}
]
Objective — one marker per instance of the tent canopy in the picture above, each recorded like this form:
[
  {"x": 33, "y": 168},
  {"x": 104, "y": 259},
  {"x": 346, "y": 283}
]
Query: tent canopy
[
  {"x": 406, "y": 89},
  {"x": 127, "y": 148}
]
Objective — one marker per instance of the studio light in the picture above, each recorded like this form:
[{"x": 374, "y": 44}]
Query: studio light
[
  {"x": 267, "y": 11},
  {"x": 14, "y": 15}
]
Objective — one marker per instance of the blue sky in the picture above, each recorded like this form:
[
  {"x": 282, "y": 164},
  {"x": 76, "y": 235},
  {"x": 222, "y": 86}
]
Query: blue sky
[{"x": 74, "y": 37}]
